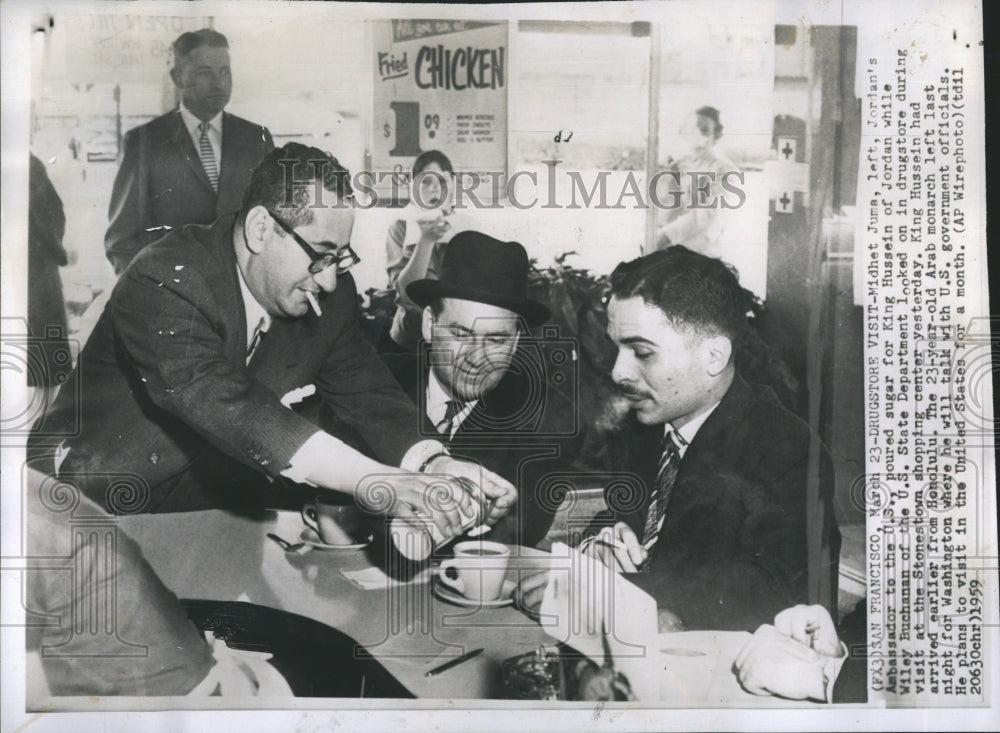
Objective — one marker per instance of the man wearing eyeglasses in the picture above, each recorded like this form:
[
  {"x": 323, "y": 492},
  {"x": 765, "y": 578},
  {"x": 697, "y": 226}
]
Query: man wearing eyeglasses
[
  {"x": 484, "y": 383},
  {"x": 179, "y": 391}
]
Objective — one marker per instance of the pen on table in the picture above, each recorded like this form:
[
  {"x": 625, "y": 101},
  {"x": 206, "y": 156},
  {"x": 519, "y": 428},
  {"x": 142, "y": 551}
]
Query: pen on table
[{"x": 454, "y": 662}]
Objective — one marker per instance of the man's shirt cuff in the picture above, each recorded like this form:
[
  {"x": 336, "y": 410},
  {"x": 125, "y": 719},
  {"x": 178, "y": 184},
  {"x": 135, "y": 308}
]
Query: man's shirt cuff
[
  {"x": 308, "y": 455},
  {"x": 421, "y": 453},
  {"x": 318, "y": 446}
]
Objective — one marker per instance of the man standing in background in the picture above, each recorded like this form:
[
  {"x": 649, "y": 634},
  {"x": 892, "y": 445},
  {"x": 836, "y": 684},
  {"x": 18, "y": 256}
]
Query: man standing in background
[{"x": 189, "y": 166}]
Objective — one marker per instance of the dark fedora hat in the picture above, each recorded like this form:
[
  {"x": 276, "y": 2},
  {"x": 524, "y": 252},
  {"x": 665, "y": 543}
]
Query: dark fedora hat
[{"x": 483, "y": 269}]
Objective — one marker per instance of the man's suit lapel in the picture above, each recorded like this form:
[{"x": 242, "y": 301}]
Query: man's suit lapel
[
  {"x": 222, "y": 243},
  {"x": 184, "y": 147},
  {"x": 712, "y": 440},
  {"x": 474, "y": 423},
  {"x": 642, "y": 457},
  {"x": 700, "y": 456},
  {"x": 285, "y": 352},
  {"x": 713, "y": 437},
  {"x": 414, "y": 384},
  {"x": 228, "y": 151}
]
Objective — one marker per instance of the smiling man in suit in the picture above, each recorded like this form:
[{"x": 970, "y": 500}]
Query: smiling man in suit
[
  {"x": 481, "y": 380},
  {"x": 190, "y": 165},
  {"x": 718, "y": 534},
  {"x": 179, "y": 388}
]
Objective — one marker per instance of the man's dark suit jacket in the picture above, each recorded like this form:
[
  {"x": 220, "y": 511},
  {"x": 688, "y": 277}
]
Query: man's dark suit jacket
[
  {"x": 732, "y": 551},
  {"x": 167, "y": 402},
  {"x": 174, "y": 657},
  {"x": 161, "y": 181},
  {"x": 520, "y": 433},
  {"x": 852, "y": 682},
  {"x": 46, "y": 305}
]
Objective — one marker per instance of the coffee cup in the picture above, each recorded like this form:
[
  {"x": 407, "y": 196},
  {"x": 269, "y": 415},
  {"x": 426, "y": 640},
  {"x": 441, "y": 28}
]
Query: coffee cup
[
  {"x": 335, "y": 524},
  {"x": 477, "y": 571}
]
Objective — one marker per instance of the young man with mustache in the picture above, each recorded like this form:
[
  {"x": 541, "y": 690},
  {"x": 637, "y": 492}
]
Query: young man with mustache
[
  {"x": 718, "y": 533},
  {"x": 719, "y": 537}
]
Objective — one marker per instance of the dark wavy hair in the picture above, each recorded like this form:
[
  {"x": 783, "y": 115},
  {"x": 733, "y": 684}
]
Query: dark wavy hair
[
  {"x": 189, "y": 41},
  {"x": 695, "y": 292},
  {"x": 432, "y": 156},
  {"x": 283, "y": 181},
  {"x": 712, "y": 114}
]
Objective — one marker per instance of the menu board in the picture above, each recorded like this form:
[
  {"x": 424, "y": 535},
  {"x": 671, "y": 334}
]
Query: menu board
[{"x": 440, "y": 85}]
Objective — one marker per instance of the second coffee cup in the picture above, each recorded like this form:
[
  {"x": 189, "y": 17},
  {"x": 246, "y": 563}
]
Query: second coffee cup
[
  {"x": 478, "y": 569},
  {"x": 335, "y": 524}
]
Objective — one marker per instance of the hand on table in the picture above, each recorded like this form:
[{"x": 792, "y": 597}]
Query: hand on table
[
  {"x": 601, "y": 684},
  {"x": 494, "y": 494},
  {"x": 788, "y": 659},
  {"x": 668, "y": 621},
  {"x": 774, "y": 664},
  {"x": 530, "y": 591},
  {"x": 618, "y": 548},
  {"x": 812, "y": 626}
]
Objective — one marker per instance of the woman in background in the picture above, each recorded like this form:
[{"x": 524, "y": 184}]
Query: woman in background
[
  {"x": 416, "y": 241},
  {"x": 699, "y": 227}
]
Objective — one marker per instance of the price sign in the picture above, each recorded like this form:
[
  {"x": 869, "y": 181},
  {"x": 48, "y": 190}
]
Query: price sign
[{"x": 440, "y": 84}]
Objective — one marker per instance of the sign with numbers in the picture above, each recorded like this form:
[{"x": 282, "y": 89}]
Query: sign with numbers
[{"x": 440, "y": 85}]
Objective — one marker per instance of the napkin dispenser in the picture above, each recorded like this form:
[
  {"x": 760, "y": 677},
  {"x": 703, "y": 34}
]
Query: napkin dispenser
[
  {"x": 537, "y": 675},
  {"x": 557, "y": 672}
]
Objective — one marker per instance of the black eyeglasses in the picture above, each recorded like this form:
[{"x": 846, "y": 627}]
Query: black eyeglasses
[{"x": 344, "y": 259}]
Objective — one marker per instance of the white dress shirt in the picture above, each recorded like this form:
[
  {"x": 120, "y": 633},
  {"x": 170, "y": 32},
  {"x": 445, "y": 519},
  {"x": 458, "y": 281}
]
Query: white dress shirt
[
  {"x": 690, "y": 429},
  {"x": 258, "y": 319}
]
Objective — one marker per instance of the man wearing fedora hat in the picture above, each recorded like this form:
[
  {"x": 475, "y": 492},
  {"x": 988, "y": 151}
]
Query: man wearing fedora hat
[
  {"x": 479, "y": 381},
  {"x": 472, "y": 321}
]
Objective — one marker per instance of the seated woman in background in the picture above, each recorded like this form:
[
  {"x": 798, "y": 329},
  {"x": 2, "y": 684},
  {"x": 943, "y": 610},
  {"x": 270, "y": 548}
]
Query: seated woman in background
[{"x": 416, "y": 241}]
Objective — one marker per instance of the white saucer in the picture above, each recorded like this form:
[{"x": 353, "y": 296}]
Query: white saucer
[
  {"x": 312, "y": 539},
  {"x": 446, "y": 593}
]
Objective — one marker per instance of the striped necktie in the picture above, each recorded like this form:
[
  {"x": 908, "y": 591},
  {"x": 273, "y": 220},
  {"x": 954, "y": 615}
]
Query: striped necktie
[
  {"x": 258, "y": 333},
  {"x": 207, "y": 156},
  {"x": 451, "y": 409},
  {"x": 666, "y": 475}
]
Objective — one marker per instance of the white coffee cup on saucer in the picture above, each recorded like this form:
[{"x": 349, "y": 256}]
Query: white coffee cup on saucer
[{"x": 477, "y": 571}]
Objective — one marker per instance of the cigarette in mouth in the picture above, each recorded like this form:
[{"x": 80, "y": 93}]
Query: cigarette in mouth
[{"x": 313, "y": 303}]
